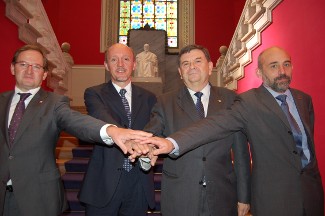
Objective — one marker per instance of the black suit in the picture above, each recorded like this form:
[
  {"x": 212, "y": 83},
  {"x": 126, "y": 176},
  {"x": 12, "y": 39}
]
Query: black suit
[
  {"x": 105, "y": 166},
  {"x": 182, "y": 177},
  {"x": 30, "y": 161},
  {"x": 280, "y": 186}
]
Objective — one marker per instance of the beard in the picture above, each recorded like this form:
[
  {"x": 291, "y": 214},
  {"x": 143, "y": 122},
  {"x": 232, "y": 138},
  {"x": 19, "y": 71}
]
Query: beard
[{"x": 280, "y": 86}]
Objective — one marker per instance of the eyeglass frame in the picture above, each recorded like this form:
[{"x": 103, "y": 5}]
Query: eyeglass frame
[{"x": 25, "y": 65}]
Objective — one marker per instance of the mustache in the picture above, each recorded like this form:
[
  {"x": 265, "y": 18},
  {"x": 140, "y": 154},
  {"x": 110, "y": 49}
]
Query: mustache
[{"x": 282, "y": 76}]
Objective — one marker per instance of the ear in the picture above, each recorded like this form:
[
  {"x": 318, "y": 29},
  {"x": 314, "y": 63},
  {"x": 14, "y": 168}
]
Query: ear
[
  {"x": 210, "y": 67},
  {"x": 258, "y": 73},
  {"x": 134, "y": 65},
  {"x": 106, "y": 66},
  {"x": 180, "y": 73},
  {"x": 12, "y": 69},
  {"x": 45, "y": 75}
]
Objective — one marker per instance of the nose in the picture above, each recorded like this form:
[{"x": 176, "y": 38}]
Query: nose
[
  {"x": 192, "y": 65},
  {"x": 281, "y": 70},
  {"x": 119, "y": 63},
  {"x": 29, "y": 69}
]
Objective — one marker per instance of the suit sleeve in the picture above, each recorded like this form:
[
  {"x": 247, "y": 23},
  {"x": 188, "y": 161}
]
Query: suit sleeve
[
  {"x": 96, "y": 107},
  {"x": 242, "y": 167},
  {"x": 75, "y": 123},
  {"x": 156, "y": 125}
]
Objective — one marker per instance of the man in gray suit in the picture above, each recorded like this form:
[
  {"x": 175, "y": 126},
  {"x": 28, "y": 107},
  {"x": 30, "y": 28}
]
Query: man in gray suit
[
  {"x": 30, "y": 128},
  {"x": 285, "y": 175},
  {"x": 201, "y": 181}
]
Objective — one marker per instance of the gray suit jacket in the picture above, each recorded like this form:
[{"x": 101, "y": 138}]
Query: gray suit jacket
[
  {"x": 182, "y": 176},
  {"x": 30, "y": 162},
  {"x": 279, "y": 184}
]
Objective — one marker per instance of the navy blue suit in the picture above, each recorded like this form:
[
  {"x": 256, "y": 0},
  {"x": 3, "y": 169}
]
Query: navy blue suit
[{"x": 105, "y": 166}]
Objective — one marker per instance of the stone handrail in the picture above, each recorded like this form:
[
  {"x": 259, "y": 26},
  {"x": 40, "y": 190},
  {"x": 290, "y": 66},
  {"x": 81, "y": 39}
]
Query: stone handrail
[
  {"x": 34, "y": 27},
  {"x": 256, "y": 16}
]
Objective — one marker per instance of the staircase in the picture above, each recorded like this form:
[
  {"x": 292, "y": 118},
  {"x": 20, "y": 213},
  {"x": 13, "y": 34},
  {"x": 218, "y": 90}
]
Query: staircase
[{"x": 72, "y": 159}]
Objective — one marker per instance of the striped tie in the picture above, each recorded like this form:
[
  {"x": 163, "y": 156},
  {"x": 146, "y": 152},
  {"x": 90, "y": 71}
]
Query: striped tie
[
  {"x": 199, "y": 106},
  {"x": 127, "y": 165}
]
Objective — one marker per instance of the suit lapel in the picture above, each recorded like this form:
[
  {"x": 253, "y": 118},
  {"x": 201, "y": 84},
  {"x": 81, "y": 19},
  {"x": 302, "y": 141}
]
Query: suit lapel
[
  {"x": 112, "y": 99},
  {"x": 136, "y": 103},
  {"x": 270, "y": 103},
  {"x": 32, "y": 110},
  {"x": 216, "y": 101},
  {"x": 185, "y": 102}
]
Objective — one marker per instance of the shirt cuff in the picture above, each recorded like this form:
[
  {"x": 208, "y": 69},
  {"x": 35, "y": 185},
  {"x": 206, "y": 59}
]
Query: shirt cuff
[
  {"x": 176, "y": 147},
  {"x": 103, "y": 134}
]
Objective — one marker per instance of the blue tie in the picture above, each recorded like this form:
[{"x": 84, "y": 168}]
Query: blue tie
[
  {"x": 127, "y": 165},
  {"x": 198, "y": 105},
  {"x": 294, "y": 127},
  {"x": 17, "y": 116}
]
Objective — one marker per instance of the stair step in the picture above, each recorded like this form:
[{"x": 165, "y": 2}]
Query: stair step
[
  {"x": 63, "y": 152},
  {"x": 74, "y": 204},
  {"x": 82, "y": 152},
  {"x": 77, "y": 165},
  {"x": 68, "y": 141},
  {"x": 72, "y": 180}
]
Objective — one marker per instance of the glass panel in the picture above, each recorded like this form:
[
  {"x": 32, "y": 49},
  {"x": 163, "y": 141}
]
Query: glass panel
[
  {"x": 160, "y": 10},
  {"x": 124, "y": 26},
  {"x": 136, "y": 8},
  {"x": 124, "y": 9},
  {"x": 149, "y": 21},
  {"x": 172, "y": 27},
  {"x": 123, "y": 39},
  {"x": 136, "y": 23},
  {"x": 148, "y": 9},
  {"x": 172, "y": 10},
  {"x": 172, "y": 41},
  {"x": 161, "y": 24}
]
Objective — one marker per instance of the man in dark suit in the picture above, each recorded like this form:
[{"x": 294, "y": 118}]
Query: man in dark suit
[
  {"x": 201, "y": 181},
  {"x": 285, "y": 175},
  {"x": 30, "y": 128},
  {"x": 109, "y": 188}
]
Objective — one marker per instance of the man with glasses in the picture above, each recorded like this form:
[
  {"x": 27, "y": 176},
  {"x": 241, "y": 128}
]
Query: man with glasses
[{"x": 31, "y": 121}]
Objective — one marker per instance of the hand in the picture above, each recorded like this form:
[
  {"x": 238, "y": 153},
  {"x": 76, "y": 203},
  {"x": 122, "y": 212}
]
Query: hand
[
  {"x": 163, "y": 146},
  {"x": 121, "y": 135},
  {"x": 243, "y": 209},
  {"x": 136, "y": 150},
  {"x": 153, "y": 158}
]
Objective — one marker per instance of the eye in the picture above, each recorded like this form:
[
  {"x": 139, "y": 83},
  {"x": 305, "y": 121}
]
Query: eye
[
  {"x": 127, "y": 59},
  {"x": 23, "y": 64},
  {"x": 287, "y": 64},
  {"x": 37, "y": 67},
  {"x": 274, "y": 66},
  {"x": 185, "y": 64}
]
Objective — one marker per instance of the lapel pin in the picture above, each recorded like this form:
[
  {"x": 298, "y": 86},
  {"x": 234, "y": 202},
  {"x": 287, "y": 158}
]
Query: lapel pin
[
  {"x": 219, "y": 101},
  {"x": 40, "y": 102}
]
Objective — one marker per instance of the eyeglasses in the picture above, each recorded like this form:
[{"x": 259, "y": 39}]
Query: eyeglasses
[{"x": 24, "y": 66}]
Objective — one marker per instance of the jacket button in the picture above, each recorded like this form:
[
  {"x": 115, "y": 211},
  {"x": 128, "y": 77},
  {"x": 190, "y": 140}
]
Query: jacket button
[
  {"x": 204, "y": 158},
  {"x": 295, "y": 152},
  {"x": 290, "y": 132}
]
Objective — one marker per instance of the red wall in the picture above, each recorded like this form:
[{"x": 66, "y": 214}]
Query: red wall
[
  {"x": 215, "y": 23},
  {"x": 8, "y": 44},
  {"x": 298, "y": 26}
]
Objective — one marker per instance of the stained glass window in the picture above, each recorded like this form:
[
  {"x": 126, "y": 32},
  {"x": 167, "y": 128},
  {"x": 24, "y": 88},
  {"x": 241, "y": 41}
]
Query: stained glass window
[{"x": 159, "y": 14}]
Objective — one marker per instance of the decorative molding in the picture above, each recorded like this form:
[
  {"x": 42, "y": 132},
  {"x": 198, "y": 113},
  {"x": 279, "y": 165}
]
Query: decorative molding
[
  {"x": 34, "y": 27},
  {"x": 109, "y": 24},
  {"x": 256, "y": 16}
]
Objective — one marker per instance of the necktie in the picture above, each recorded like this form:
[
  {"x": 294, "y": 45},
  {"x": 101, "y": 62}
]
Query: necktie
[
  {"x": 127, "y": 165},
  {"x": 17, "y": 116},
  {"x": 294, "y": 127},
  {"x": 199, "y": 106}
]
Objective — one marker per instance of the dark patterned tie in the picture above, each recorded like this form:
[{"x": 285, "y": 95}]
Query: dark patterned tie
[
  {"x": 294, "y": 127},
  {"x": 17, "y": 116},
  {"x": 127, "y": 165},
  {"x": 199, "y": 106}
]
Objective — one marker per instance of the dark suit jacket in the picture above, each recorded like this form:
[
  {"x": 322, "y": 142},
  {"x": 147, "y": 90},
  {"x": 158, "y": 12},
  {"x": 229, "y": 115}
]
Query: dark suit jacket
[
  {"x": 279, "y": 184},
  {"x": 181, "y": 177},
  {"x": 30, "y": 162},
  {"x": 104, "y": 170}
]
